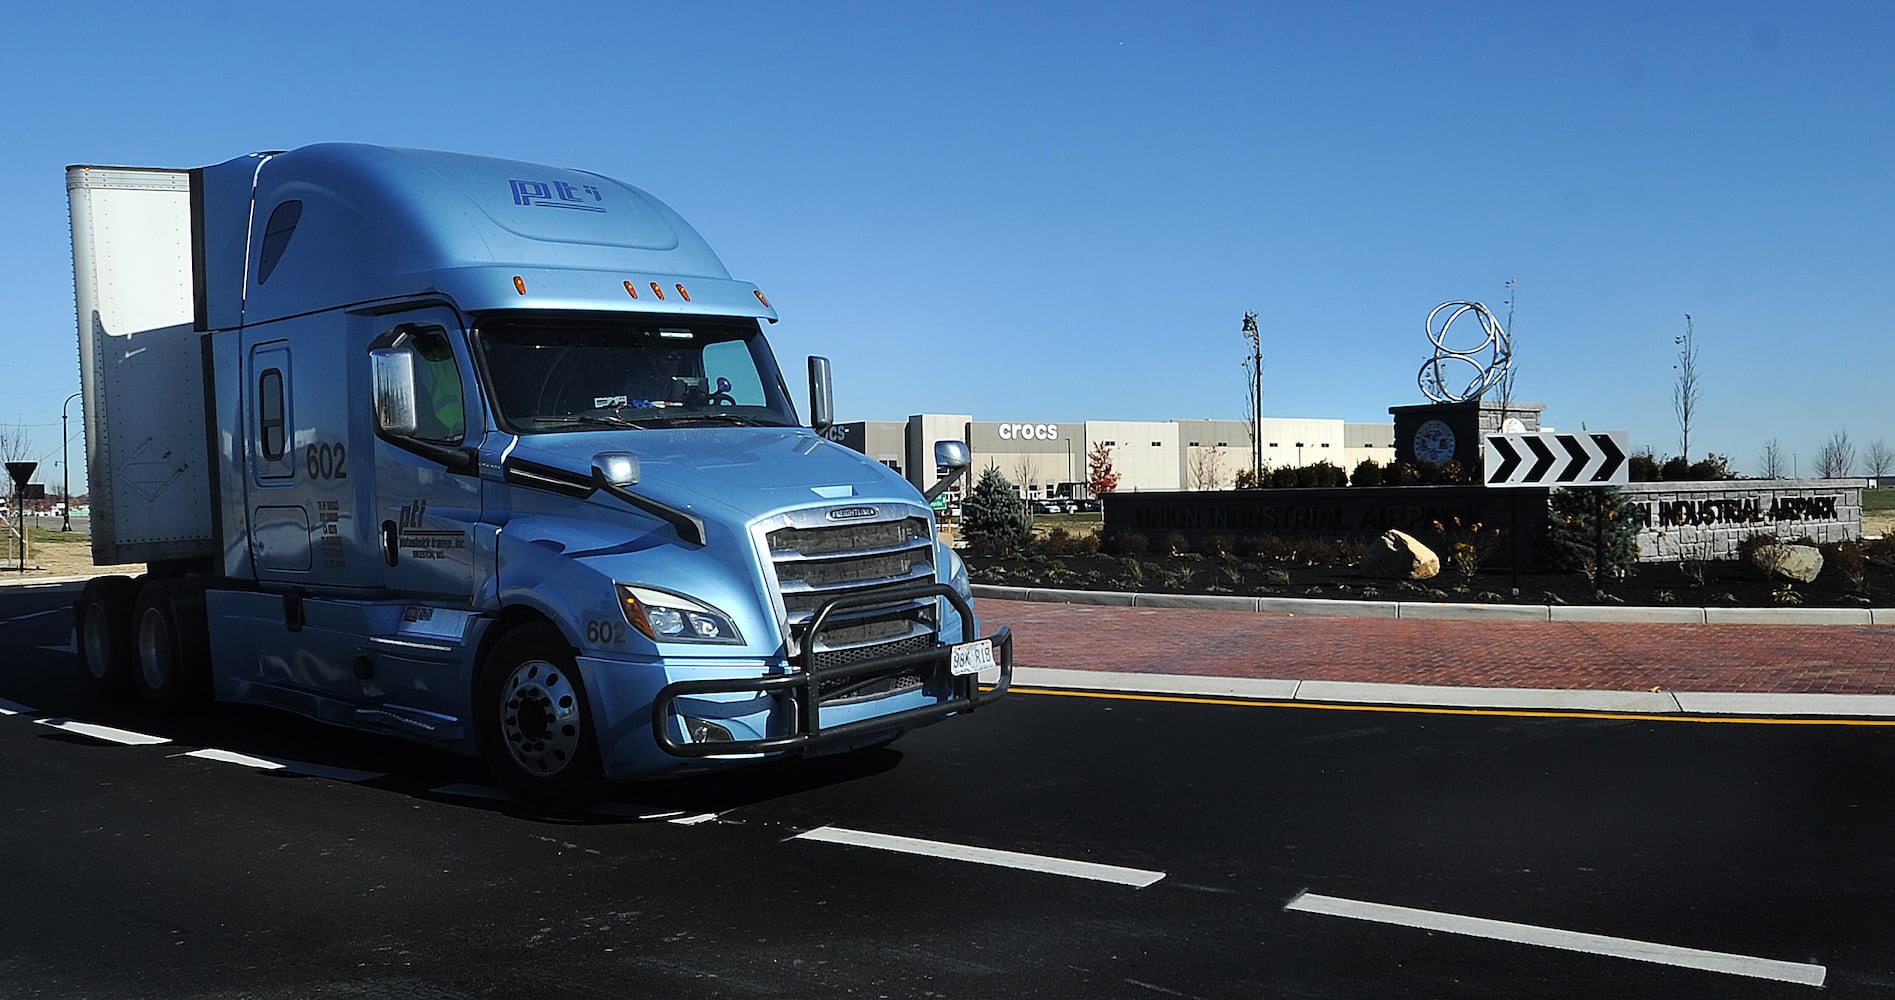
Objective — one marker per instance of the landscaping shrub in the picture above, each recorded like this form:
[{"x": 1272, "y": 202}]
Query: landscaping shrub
[
  {"x": 1263, "y": 548},
  {"x": 1367, "y": 473},
  {"x": 1747, "y": 549},
  {"x": 1849, "y": 560}
]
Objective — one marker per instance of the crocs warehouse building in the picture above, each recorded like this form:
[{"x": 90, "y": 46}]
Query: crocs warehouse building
[{"x": 1046, "y": 459}]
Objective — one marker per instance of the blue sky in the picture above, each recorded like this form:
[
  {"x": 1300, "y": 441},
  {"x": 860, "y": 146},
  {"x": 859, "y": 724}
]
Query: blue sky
[{"x": 1061, "y": 212}]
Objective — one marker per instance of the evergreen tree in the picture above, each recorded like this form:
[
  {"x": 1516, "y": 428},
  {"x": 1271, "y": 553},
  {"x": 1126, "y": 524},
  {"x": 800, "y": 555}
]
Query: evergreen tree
[
  {"x": 1590, "y": 531},
  {"x": 993, "y": 518}
]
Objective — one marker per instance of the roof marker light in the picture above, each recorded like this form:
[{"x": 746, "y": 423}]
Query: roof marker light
[
  {"x": 655, "y": 290},
  {"x": 758, "y": 292},
  {"x": 684, "y": 294},
  {"x": 631, "y": 289},
  {"x": 519, "y": 284}
]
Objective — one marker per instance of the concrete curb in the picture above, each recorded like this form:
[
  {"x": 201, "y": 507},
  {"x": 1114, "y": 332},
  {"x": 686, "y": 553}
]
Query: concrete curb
[
  {"x": 1447, "y": 610},
  {"x": 1683, "y": 704}
]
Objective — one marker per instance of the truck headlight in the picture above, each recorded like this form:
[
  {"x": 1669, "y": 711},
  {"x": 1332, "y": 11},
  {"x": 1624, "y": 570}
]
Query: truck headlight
[
  {"x": 666, "y": 617},
  {"x": 957, "y": 573}
]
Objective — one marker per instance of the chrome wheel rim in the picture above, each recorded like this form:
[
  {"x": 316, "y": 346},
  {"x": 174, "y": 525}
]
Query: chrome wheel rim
[{"x": 540, "y": 719}]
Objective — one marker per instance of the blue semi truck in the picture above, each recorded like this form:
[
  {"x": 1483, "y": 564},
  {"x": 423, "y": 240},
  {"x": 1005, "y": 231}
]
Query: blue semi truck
[{"x": 493, "y": 456}]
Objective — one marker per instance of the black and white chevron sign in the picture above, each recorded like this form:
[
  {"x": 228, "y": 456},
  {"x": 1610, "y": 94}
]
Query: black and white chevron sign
[{"x": 1556, "y": 458}]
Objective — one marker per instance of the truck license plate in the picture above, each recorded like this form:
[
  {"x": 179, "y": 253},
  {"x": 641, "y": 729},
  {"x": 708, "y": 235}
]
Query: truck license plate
[{"x": 971, "y": 657}]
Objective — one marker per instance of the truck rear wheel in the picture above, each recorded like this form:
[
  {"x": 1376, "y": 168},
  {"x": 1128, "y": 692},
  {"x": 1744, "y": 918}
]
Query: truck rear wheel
[
  {"x": 102, "y": 624},
  {"x": 533, "y": 721},
  {"x": 171, "y": 671}
]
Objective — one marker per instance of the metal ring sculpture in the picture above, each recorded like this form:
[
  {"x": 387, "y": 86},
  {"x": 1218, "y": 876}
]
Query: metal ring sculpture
[{"x": 1488, "y": 369}]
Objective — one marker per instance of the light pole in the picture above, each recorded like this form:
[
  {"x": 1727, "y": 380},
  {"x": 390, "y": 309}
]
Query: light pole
[
  {"x": 65, "y": 467},
  {"x": 1253, "y": 367}
]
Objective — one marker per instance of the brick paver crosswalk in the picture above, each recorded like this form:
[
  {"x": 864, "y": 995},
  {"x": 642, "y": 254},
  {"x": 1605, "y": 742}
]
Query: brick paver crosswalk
[{"x": 1779, "y": 659}]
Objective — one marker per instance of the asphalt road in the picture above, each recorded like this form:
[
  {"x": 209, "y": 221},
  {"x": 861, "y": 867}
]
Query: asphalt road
[{"x": 1238, "y": 851}]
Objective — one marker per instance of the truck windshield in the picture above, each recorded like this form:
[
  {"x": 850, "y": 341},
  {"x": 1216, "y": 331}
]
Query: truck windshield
[{"x": 565, "y": 373}]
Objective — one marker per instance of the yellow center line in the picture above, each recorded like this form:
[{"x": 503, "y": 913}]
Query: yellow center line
[{"x": 1423, "y": 710}]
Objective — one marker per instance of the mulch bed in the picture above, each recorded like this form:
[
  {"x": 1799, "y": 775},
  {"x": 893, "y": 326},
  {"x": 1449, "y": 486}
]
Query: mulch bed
[{"x": 1725, "y": 584}]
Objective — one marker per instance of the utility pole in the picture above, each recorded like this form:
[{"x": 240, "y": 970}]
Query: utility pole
[{"x": 1254, "y": 366}]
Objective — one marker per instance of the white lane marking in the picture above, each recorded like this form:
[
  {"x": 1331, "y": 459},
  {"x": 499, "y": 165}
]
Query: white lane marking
[
  {"x": 694, "y": 820},
  {"x": 626, "y": 810},
  {"x": 106, "y": 733},
  {"x": 1134, "y": 877},
  {"x": 279, "y": 764},
  {"x": 1547, "y": 937},
  {"x": 36, "y": 614},
  {"x": 15, "y": 708}
]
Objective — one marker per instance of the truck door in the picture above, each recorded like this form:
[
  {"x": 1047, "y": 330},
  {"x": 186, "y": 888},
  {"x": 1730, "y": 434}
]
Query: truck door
[
  {"x": 279, "y": 512},
  {"x": 427, "y": 516}
]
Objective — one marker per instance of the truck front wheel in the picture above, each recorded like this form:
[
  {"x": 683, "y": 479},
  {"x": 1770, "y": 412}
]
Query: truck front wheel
[
  {"x": 533, "y": 723},
  {"x": 102, "y": 619}
]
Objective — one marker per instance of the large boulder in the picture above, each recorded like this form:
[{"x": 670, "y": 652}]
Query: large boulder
[
  {"x": 1397, "y": 555},
  {"x": 1798, "y": 563}
]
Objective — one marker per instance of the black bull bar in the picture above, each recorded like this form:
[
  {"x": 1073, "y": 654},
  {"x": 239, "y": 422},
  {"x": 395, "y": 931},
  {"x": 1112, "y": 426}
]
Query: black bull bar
[{"x": 803, "y": 683}]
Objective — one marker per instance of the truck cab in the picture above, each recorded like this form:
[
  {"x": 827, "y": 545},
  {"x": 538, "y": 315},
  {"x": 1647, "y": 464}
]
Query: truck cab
[{"x": 493, "y": 456}]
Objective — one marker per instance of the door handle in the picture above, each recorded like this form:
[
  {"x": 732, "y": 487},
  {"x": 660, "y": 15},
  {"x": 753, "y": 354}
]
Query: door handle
[{"x": 391, "y": 543}]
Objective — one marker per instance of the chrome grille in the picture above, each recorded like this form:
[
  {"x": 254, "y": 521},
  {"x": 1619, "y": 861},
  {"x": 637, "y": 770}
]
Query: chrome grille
[{"x": 817, "y": 562}]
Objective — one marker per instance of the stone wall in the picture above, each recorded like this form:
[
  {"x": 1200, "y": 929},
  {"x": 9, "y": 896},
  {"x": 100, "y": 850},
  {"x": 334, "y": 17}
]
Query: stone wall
[
  {"x": 1676, "y": 520},
  {"x": 1709, "y": 520},
  {"x": 1361, "y": 512}
]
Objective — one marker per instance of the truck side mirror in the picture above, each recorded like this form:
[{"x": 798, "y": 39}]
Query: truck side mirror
[
  {"x": 822, "y": 402},
  {"x": 392, "y": 370},
  {"x": 953, "y": 457}
]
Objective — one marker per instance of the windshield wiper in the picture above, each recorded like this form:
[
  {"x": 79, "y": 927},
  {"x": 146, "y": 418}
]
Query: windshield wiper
[
  {"x": 734, "y": 419},
  {"x": 596, "y": 419}
]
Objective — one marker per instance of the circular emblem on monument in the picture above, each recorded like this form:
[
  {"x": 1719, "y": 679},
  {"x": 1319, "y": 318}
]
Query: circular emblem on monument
[{"x": 1434, "y": 442}]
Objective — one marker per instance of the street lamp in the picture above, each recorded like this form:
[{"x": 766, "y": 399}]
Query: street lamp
[{"x": 65, "y": 466}]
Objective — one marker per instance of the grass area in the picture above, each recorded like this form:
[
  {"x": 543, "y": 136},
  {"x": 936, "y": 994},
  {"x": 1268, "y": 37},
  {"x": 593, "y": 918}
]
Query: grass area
[
  {"x": 1075, "y": 524},
  {"x": 1878, "y": 501}
]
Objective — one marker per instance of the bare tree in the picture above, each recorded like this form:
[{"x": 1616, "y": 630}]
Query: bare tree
[
  {"x": 1774, "y": 463},
  {"x": 1207, "y": 468},
  {"x": 1836, "y": 457},
  {"x": 1024, "y": 474},
  {"x": 15, "y": 445},
  {"x": 1878, "y": 459},
  {"x": 1506, "y": 381},
  {"x": 1685, "y": 394}
]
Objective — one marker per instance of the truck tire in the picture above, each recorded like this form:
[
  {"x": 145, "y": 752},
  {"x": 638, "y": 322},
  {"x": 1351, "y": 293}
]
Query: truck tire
[
  {"x": 533, "y": 722},
  {"x": 171, "y": 643},
  {"x": 102, "y": 628}
]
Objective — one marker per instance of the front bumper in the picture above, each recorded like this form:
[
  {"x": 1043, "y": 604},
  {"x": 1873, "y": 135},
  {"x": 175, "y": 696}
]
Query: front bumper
[{"x": 798, "y": 690}]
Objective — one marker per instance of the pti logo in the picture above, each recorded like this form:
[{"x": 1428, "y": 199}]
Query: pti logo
[{"x": 557, "y": 194}]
